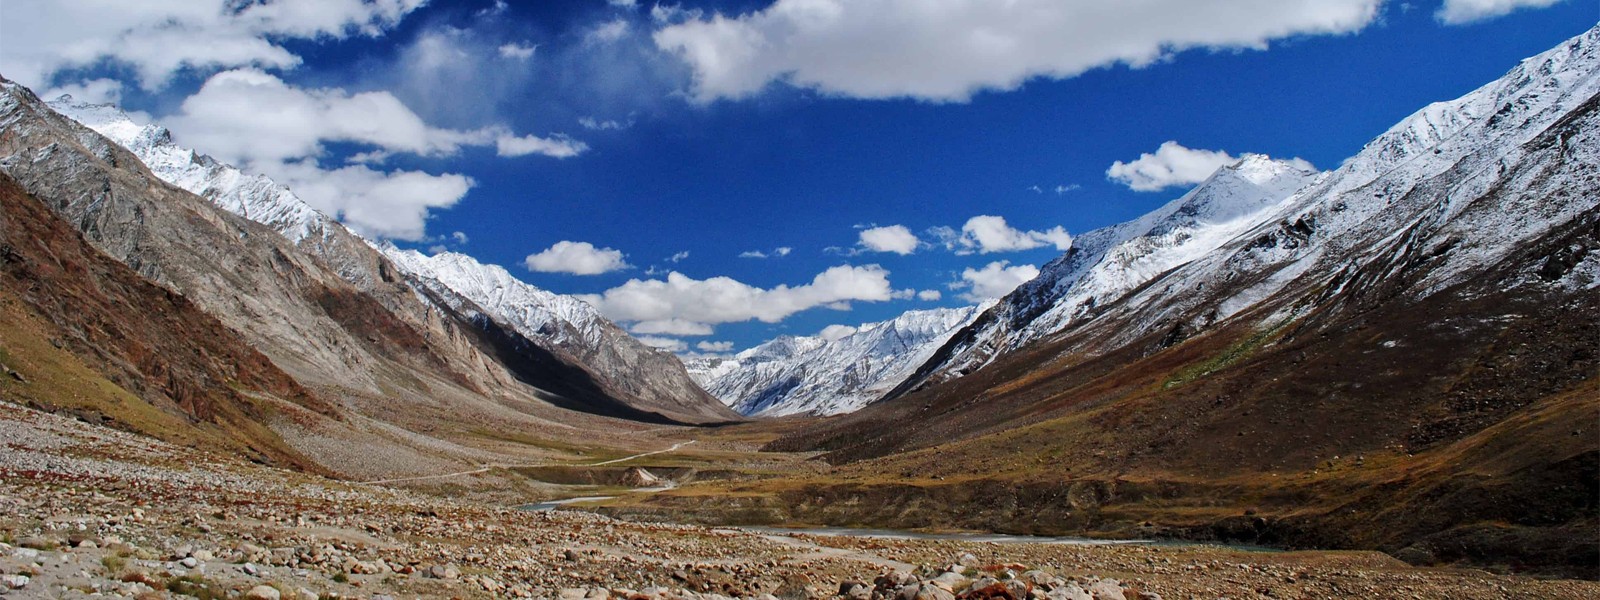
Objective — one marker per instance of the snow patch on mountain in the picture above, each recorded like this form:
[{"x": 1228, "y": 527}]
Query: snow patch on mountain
[{"x": 532, "y": 311}]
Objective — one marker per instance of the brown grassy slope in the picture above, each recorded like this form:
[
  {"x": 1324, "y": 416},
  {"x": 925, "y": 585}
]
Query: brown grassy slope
[
  {"x": 90, "y": 337},
  {"x": 1461, "y": 425}
]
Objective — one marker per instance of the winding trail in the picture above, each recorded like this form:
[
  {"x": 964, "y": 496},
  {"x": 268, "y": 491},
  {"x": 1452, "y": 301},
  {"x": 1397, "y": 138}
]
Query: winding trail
[
  {"x": 489, "y": 467},
  {"x": 628, "y": 458}
]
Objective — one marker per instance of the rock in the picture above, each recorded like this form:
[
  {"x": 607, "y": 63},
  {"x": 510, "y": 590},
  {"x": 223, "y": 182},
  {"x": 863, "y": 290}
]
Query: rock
[
  {"x": 189, "y": 562},
  {"x": 967, "y": 560},
  {"x": 949, "y": 582},
  {"x": 251, "y": 569},
  {"x": 183, "y": 551},
  {"x": 263, "y": 592},
  {"x": 933, "y": 592},
  {"x": 855, "y": 590},
  {"x": 37, "y": 543},
  {"x": 444, "y": 572},
  {"x": 14, "y": 582},
  {"x": 1019, "y": 589},
  {"x": 908, "y": 591},
  {"x": 1039, "y": 578},
  {"x": 1070, "y": 591},
  {"x": 1143, "y": 595},
  {"x": 598, "y": 593},
  {"x": 1107, "y": 589},
  {"x": 203, "y": 555},
  {"x": 982, "y": 582}
]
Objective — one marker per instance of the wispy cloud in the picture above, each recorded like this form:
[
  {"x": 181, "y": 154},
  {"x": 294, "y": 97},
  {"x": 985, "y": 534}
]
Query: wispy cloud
[{"x": 778, "y": 252}]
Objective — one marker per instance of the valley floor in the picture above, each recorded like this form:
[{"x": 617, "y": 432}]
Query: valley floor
[{"x": 91, "y": 512}]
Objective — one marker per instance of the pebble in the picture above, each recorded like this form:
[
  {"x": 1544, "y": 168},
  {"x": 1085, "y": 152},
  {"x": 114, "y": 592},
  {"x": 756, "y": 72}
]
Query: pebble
[{"x": 263, "y": 592}]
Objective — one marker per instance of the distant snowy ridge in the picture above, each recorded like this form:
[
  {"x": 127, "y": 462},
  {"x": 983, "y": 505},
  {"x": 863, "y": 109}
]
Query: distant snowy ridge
[{"x": 792, "y": 375}]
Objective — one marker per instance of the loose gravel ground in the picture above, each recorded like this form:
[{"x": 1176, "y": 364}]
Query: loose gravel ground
[{"x": 88, "y": 512}]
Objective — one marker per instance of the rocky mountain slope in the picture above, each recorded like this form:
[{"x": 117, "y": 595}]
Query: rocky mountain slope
[
  {"x": 1399, "y": 355},
  {"x": 629, "y": 379},
  {"x": 64, "y": 348},
  {"x": 416, "y": 384},
  {"x": 812, "y": 375}
]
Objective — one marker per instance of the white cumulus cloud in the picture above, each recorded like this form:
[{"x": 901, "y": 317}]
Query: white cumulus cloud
[
  {"x": 97, "y": 91},
  {"x": 994, "y": 280},
  {"x": 380, "y": 204},
  {"x": 159, "y": 38},
  {"x": 576, "y": 258},
  {"x": 249, "y": 117},
  {"x": 717, "y": 347},
  {"x": 893, "y": 238},
  {"x": 929, "y": 295},
  {"x": 1459, "y": 12},
  {"x": 726, "y": 300},
  {"x": 263, "y": 124},
  {"x": 949, "y": 50},
  {"x": 1170, "y": 165},
  {"x": 987, "y": 234}
]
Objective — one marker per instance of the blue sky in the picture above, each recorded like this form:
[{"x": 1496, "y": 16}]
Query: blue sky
[{"x": 684, "y": 136}]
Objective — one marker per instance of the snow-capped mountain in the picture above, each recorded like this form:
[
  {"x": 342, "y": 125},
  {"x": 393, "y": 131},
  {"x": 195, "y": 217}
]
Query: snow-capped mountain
[
  {"x": 445, "y": 284},
  {"x": 812, "y": 375},
  {"x": 253, "y": 197},
  {"x": 533, "y": 311},
  {"x": 1106, "y": 263},
  {"x": 1465, "y": 182}
]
